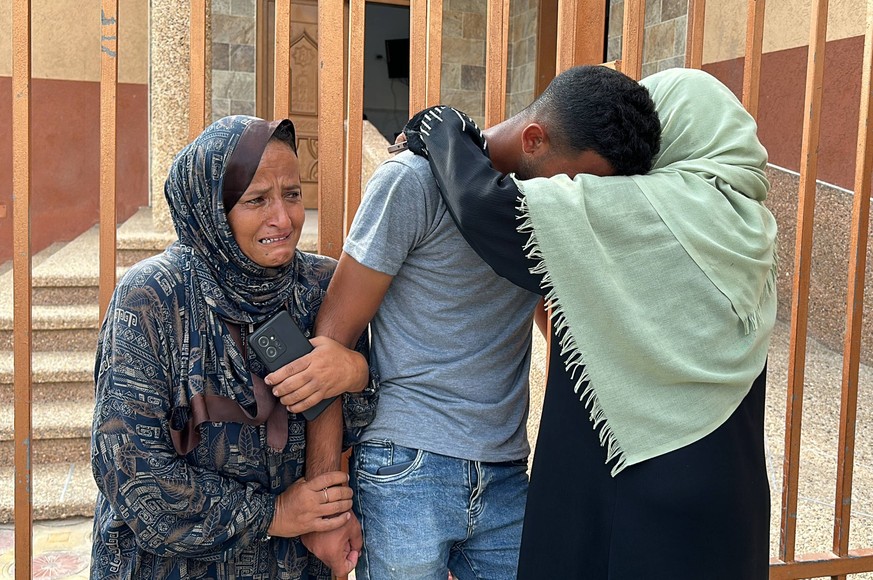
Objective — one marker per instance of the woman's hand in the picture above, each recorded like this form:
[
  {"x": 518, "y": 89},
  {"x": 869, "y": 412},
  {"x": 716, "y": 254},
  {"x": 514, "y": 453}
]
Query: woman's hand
[
  {"x": 321, "y": 504},
  {"x": 328, "y": 371}
]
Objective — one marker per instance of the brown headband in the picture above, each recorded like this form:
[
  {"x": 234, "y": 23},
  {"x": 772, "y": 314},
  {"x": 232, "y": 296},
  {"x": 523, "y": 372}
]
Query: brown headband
[{"x": 244, "y": 160}]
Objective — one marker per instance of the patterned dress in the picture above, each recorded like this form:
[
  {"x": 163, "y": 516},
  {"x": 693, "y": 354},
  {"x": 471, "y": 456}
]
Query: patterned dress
[{"x": 202, "y": 511}]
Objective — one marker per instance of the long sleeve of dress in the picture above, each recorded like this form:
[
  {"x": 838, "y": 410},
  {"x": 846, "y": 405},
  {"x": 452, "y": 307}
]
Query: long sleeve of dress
[
  {"x": 174, "y": 508},
  {"x": 483, "y": 202}
]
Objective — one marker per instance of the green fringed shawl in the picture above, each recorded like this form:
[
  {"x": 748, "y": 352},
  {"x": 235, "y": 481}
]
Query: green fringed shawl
[{"x": 662, "y": 286}]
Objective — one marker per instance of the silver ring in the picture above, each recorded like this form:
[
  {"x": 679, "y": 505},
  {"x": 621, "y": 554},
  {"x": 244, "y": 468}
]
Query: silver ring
[{"x": 326, "y": 498}]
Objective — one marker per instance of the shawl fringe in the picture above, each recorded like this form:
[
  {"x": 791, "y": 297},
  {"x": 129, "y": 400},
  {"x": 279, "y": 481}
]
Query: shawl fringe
[
  {"x": 572, "y": 356},
  {"x": 751, "y": 322}
]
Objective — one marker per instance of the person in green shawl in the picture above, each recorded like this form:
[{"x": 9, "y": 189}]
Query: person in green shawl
[{"x": 661, "y": 287}]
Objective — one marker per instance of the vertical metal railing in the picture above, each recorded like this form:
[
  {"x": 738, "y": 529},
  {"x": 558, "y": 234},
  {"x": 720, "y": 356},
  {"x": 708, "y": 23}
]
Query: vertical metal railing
[
  {"x": 354, "y": 113},
  {"x": 417, "y": 55},
  {"x": 282, "y": 60},
  {"x": 197, "y": 72},
  {"x": 694, "y": 34},
  {"x": 331, "y": 126},
  {"x": 632, "y": 35},
  {"x": 855, "y": 301},
  {"x": 580, "y": 33},
  {"x": 434, "y": 52},
  {"x": 752, "y": 62},
  {"x": 21, "y": 273},
  {"x": 497, "y": 42},
  {"x": 108, "y": 140},
  {"x": 802, "y": 267}
]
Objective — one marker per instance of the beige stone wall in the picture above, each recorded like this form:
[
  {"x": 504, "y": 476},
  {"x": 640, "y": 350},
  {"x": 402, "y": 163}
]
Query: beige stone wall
[
  {"x": 664, "y": 40},
  {"x": 463, "y": 69},
  {"x": 66, "y": 40},
  {"x": 233, "y": 57},
  {"x": 786, "y": 25}
]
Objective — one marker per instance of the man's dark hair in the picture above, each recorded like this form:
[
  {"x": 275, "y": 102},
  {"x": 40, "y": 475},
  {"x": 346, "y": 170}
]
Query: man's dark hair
[
  {"x": 286, "y": 134},
  {"x": 600, "y": 109}
]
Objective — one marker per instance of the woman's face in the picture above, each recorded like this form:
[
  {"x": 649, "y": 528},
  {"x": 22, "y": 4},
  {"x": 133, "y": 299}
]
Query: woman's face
[{"x": 267, "y": 220}]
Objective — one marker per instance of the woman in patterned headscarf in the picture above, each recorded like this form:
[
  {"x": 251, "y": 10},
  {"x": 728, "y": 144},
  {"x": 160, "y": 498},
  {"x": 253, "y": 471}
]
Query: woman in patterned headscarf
[{"x": 199, "y": 467}]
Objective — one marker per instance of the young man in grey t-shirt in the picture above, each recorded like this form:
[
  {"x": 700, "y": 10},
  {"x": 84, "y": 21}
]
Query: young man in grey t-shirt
[{"x": 440, "y": 475}]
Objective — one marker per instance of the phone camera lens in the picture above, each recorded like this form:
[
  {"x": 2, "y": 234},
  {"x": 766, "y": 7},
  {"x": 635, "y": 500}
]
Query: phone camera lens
[
  {"x": 263, "y": 341},
  {"x": 271, "y": 351}
]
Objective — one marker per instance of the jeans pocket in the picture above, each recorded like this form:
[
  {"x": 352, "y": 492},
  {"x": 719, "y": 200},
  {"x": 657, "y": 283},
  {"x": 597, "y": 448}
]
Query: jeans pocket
[{"x": 385, "y": 461}]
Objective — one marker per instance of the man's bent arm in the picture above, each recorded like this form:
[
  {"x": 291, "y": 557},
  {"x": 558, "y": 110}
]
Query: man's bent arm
[
  {"x": 324, "y": 438},
  {"x": 353, "y": 297}
]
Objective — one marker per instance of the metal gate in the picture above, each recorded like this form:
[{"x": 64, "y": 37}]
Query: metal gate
[{"x": 581, "y": 25}]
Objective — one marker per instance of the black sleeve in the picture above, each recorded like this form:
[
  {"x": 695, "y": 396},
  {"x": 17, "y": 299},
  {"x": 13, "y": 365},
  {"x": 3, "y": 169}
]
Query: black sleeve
[{"x": 483, "y": 202}]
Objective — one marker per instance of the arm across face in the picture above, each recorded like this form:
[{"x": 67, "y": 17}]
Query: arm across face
[{"x": 481, "y": 200}]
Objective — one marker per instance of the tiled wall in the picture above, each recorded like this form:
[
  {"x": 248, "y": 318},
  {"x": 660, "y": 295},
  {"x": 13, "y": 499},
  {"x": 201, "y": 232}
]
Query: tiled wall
[
  {"x": 233, "y": 57},
  {"x": 522, "y": 61},
  {"x": 664, "y": 40},
  {"x": 463, "y": 74}
]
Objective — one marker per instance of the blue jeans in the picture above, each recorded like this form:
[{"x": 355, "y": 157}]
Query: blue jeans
[{"x": 436, "y": 513}]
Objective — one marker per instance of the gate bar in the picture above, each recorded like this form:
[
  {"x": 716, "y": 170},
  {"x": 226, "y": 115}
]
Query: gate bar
[
  {"x": 497, "y": 33},
  {"x": 633, "y": 29},
  {"x": 802, "y": 266},
  {"x": 331, "y": 130},
  {"x": 108, "y": 148},
  {"x": 752, "y": 61},
  {"x": 855, "y": 299},
  {"x": 21, "y": 282},
  {"x": 282, "y": 60},
  {"x": 417, "y": 55},
  {"x": 434, "y": 53},
  {"x": 580, "y": 33},
  {"x": 355, "y": 107},
  {"x": 822, "y": 564},
  {"x": 568, "y": 15},
  {"x": 197, "y": 72},
  {"x": 694, "y": 38}
]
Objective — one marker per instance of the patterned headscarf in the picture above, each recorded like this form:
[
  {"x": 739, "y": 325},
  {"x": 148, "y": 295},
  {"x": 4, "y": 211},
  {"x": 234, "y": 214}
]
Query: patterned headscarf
[
  {"x": 219, "y": 277},
  {"x": 230, "y": 283}
]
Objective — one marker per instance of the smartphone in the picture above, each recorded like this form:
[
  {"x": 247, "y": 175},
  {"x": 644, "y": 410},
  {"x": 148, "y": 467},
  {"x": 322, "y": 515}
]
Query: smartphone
[
  {"x": 398, "y": 147},
  {"x": 278, "y": 342},
  {"x": 394, "y": 469}
]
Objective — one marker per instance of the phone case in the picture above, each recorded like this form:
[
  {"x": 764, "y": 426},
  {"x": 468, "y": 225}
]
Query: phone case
[{"x": 278, "y": 342}]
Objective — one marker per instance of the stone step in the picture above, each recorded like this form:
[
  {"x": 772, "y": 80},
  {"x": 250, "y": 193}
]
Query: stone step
[
  {"x": 52, "y": 367},
  {"x": 65, "y": 328},
  {"x": 137, "y": 239},
  {"x": 68, "y": 288},
  {"x": 68, "y": 273},
  {"x": 54, "y": 392},
  {"x": 60, "y": 490},
  {"x": 61, "y": 432},
  {"x": 55, "y": 377}
]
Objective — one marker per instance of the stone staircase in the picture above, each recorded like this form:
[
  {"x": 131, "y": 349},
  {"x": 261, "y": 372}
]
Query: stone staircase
[
  {"x": 65, "y": 317},
  {"x": 65, "y": 322}
]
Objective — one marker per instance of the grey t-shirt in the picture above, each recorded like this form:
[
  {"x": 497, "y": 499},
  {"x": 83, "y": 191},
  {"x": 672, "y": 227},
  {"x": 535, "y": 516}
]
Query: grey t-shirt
[{"x": 451, "y": 339}]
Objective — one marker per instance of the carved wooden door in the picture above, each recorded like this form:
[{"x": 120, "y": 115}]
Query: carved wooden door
[{"x": 304, "y": 84}]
